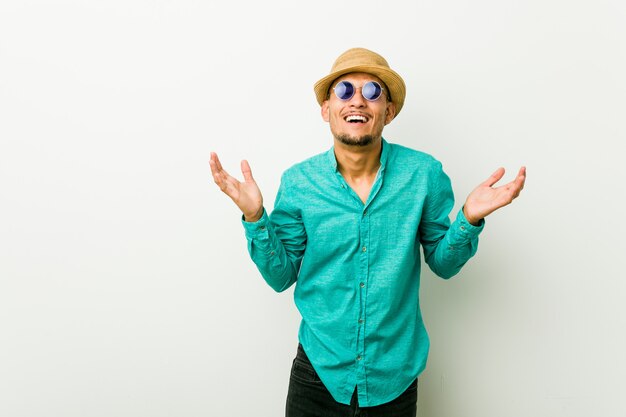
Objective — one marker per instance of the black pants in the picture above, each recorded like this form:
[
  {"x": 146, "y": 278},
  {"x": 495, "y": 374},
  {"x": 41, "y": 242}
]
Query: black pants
[{"x": 308, "y": 397}]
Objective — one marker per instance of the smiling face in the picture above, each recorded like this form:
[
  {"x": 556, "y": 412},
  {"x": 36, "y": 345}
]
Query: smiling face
[{"x": 357, "y": 121}]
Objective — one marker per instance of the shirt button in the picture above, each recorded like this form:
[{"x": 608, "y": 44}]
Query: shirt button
[
  {"x": 358, "y": 358},
  {"x": 272, "y": 253},
  {"x": 360, "y": 321},
  {"x": 462, "y": 227},
  {"x": 262, "y": 227},
  {"x": 364, "y": 249},
  {"x": 365, "y": 213},
  {"x": 362, "y": 285}
]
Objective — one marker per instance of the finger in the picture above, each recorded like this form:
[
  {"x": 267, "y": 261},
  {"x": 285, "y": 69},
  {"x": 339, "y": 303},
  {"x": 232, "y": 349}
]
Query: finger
[
  {"x": 227, "y": 184},
  {"x": 495, "y": 177},
  {"x": 219, "y": 173},
  {"x": 518, "y": 183},
  {"x": 521, "y": 178},
  {"x": 213, "y": 164},
  {"x": 216, "y": 160},
  {"x": 246, "y": 171},
  {"x": 221, "y": 177},
  {"x": 512, "y": 188}
]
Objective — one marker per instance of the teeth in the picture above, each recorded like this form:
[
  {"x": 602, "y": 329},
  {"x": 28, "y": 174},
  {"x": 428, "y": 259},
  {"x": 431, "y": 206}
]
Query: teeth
[{"x": 356, "y": 118}]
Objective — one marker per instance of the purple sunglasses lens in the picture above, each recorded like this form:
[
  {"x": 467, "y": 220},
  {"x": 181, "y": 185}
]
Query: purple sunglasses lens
[
  {"x": 344, "y": 90},
  {"x": 371, "y": 91}
]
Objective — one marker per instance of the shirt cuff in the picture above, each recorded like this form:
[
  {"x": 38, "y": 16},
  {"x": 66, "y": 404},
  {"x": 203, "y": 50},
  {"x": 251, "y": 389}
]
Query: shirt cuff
[
  {"x": 464, "y": 230},
  {"x": 257, "y": 229}
]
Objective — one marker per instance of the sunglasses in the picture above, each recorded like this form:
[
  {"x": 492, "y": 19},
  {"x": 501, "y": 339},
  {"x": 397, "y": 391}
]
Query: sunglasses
[{"x": 371, "y": 91}]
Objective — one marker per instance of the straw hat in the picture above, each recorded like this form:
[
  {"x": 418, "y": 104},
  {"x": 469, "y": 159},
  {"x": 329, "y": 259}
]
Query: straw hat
[{"x": 363, "y": 60}]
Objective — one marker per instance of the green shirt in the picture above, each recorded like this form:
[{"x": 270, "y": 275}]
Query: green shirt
[{"x": 357, "y": 266}]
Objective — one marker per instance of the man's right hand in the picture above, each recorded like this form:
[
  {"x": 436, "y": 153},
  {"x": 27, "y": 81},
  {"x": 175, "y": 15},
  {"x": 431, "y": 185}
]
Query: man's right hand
[{"x": 246, "y": 194}]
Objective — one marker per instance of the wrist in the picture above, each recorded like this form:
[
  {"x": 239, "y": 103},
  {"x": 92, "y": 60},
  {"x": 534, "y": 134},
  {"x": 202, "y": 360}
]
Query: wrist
[
  {"x": 251, "y": 218},
  {"x": 471, "y": 220}
]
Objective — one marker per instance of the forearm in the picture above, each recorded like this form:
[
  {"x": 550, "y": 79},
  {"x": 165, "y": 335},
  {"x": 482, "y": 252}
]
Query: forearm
[
  {"x": 269, "y": 254},
  {"x": 447, "y": 256}
]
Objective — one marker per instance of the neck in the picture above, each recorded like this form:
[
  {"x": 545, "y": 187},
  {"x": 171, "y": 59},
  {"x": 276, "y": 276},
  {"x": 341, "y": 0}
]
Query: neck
[{"x": 358, "y": 161}]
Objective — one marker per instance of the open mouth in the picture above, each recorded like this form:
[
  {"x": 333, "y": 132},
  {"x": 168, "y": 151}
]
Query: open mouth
[{"x": 356, "y": 118}]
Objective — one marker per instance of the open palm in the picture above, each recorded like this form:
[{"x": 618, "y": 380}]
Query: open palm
[
  {"x": 246, "y": 195},
  {"x": 485, "y": 199}
]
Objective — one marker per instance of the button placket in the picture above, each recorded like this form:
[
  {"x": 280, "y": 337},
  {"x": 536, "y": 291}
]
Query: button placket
[
  {"x": 363, "y": 251},
  {"x": 363, "y": 254}
]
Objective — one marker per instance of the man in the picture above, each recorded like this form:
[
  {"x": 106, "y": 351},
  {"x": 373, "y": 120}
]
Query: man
[{"x": 346, "y": 228}]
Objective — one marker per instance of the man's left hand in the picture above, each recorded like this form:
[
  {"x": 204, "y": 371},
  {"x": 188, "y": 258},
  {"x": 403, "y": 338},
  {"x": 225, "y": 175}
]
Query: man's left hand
[{"x": 485, "y": 199}]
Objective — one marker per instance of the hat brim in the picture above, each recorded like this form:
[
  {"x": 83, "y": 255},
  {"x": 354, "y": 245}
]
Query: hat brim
[{"x": 393, "y": 81}]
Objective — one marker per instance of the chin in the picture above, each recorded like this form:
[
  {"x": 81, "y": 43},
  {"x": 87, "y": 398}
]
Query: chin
[{"x": 364, "y": 140}]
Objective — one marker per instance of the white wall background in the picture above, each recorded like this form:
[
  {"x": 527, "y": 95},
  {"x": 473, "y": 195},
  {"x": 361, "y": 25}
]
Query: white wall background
[{"x": 125, "y": 285}]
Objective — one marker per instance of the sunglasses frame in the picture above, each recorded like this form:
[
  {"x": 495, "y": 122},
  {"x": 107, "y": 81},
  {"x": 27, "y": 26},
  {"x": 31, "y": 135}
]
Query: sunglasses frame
[{"x": 382, "y": 90}]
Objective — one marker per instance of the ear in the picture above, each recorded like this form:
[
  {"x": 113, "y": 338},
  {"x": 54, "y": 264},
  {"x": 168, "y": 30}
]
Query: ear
[
  {"x": 390, "y": 112},
  {"x": 325, "y": 111}
]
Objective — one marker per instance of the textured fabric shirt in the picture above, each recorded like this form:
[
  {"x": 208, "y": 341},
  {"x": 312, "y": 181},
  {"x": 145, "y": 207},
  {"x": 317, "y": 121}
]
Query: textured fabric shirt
[{"x": 357, "y": 266}]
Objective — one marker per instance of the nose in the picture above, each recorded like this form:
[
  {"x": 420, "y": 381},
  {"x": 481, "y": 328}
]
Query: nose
[{"x": 357, "y": 100}]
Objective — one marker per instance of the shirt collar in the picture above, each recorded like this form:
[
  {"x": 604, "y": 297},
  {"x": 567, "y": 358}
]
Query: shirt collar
[{"x": 330, "y": 156}]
